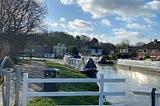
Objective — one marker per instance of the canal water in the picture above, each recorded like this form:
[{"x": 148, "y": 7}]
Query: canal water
[{"x": 135, "y": 80}]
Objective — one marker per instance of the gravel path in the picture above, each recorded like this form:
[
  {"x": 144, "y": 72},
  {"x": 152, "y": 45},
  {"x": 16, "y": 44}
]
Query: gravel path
[{"x": 34, "y": 70}]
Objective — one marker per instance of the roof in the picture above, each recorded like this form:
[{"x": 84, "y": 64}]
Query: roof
[
  {"x": 152, "y": 45},
  {"x": 90, "y": 64}
]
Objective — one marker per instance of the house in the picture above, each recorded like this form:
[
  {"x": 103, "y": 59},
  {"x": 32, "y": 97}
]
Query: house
[
  {"x": 125, "y": 51},
  {"x": 96, "y": 52},
  {"x": 151, "y": 49},
  {"x": 59, "y": 50},
  {"x": 37, "y": 51},
  {"x": 42, "y": 51}
]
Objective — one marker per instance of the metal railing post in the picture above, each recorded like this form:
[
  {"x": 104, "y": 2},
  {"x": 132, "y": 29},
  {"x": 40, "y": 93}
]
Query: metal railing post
[
  {"x": 17, "y": 86},
  {"x": 8, "y": 84},
  {"x": 25, "y": 88},
  {"x": 101, "y": 89},
  {"x": 153, "y": 97},
  {"x": 3, "y": 89}
]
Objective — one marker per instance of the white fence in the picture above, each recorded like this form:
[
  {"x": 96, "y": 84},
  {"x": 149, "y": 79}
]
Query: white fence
[
  {"x": 153, "y": 95},
  {"x": 140, "y": 63},
  {"x": 99, "y": 93}
]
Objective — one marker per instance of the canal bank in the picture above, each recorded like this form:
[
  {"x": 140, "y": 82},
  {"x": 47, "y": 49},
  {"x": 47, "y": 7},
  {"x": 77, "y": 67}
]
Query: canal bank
[{"x": 139, "y": 65}]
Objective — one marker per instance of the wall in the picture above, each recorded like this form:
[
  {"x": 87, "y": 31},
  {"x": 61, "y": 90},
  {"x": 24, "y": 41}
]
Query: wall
[{"x": 139, "y": 65}]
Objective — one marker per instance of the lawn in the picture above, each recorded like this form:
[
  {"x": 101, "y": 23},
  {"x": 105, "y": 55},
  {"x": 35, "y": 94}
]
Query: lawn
[{"x": 68, "y": 72}]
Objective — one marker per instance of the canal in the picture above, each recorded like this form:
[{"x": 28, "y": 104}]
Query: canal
[{"x": 135, "y": 80}]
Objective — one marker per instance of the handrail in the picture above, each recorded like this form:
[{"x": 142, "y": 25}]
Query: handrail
[{"x": 3, "y": 62}]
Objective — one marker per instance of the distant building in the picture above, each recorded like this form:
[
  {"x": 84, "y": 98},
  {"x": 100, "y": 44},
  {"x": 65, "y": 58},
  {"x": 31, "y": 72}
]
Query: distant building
[
  {"x": 125, "y": 51},
  {"x": 37, "y": 51},
  {"x": 59, "y": 50},
  {"x": 42, "y": 51},
  {"x": 96, "y": 52},
  {"x": 151, "y": 49}
]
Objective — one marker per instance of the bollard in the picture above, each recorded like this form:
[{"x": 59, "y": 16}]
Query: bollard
[{"x": 153, "y": 97}]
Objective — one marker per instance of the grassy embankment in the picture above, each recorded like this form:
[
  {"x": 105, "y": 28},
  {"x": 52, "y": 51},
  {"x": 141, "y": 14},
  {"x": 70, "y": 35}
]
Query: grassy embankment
[{"x": 67, "y": 72}]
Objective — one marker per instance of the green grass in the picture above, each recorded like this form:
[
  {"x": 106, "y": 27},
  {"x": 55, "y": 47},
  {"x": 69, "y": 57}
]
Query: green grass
[
  {"x": 23, "y": 61},
  {"x": 67, "y": 72}
]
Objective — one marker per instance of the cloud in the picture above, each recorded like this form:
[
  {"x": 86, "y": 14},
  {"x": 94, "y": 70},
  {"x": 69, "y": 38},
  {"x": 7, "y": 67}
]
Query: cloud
[
  {"x": 55, "y": 24},
  {"x": 62, "y": 19},
  {"x": 106, "y": 22},
  {"x": 136, "y": 8},
  {"x": 80, "y": 25},
  {"x": 126, "y": 19},
  {"x": 67, "y": 2},
  {"x": 122, "y": 34},
  {"x": 48, "y": 23},
  {"x": 118, "y": 36},
  {"x": 137, "y": 26},
  {"x": 150, "y": 22},
  {"x": 154, "y": 5}
]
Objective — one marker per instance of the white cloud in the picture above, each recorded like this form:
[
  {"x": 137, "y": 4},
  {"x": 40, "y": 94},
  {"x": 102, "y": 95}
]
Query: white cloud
[
  {"x": 126, "y": 19},
  {"x": 155, "y": 5},
  {"x": 63, "y": 26},
  {"x": 62, "y": 19},
  {"x": 150, "y": 22},
  {"x": 101, "y": 8},
  {"x": 67, "y": 2},
  {"x": 131, "y": 36},
  {"x": 118, "y": 36},
  {"x": 55, "y": 24},
  {"x": 137, "y": 26},
  {"x": 106, "y": 22},
  {"x": 52, "y": 24},
  {"x": 80, "y": 25}
]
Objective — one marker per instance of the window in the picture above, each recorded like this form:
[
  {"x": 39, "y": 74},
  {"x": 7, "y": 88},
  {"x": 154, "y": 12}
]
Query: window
[
  {"x": 153, "y": 51},
  {"x": 144, "y": 50}
]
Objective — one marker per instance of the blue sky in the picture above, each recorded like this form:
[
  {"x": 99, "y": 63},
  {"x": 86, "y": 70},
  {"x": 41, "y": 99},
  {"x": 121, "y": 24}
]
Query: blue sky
[{"x": 112, "y": 21}]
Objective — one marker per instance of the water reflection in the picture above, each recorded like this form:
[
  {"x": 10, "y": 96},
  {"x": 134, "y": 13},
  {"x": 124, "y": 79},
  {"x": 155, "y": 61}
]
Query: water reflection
[{"x": 135, "y": 80}]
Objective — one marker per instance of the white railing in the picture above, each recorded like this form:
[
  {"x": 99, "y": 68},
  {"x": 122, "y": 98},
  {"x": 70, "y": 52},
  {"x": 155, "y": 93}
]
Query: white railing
[
  {"x": 140, "y": 63},
  {"x": 153, "y": 95},
  {"x": 99, "y": 93}
]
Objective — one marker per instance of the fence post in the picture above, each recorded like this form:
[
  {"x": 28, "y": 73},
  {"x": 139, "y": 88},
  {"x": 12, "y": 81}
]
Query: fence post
[
  {"x": 153, "y": 97},
  {"x": 101, "y": 89},
  {"x": 8, "y": 84},
  {"x": 25, "y": 88},
  {"x": 17, "y": 86}
]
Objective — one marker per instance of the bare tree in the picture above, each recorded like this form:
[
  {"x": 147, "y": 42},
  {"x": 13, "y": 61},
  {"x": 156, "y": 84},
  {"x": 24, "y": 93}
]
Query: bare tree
[{"x": 18, "y": 18}]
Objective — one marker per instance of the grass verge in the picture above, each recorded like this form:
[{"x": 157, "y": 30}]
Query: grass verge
[{"x": 67, "y": 72}]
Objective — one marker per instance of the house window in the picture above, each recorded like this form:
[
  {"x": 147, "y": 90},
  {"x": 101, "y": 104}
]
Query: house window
[
  {"x": 153, "y": 51},
  {"x": 144, "y": 50}
]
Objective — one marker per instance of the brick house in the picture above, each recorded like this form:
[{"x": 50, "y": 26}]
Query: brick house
[
  {"x": 151, "y": 49},
  {"x": 125, "y": 51}
]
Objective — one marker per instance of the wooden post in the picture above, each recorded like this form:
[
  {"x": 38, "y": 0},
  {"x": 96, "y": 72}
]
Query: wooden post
[
  {"x": 17, "y": 86},
  {"x": 25, "y": 88},
  {"x": 101, "y": 90}
]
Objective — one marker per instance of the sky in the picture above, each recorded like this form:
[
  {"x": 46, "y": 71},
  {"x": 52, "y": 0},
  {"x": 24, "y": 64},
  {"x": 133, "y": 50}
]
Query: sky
[{"x": 110, "y": 21}]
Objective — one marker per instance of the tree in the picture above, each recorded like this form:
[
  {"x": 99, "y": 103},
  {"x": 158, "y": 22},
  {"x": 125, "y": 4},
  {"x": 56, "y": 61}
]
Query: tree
[
  {"x": 140, "y": 44},
  {"x": 74, "y": 51},
  {"x": 18, "y": 18}
]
